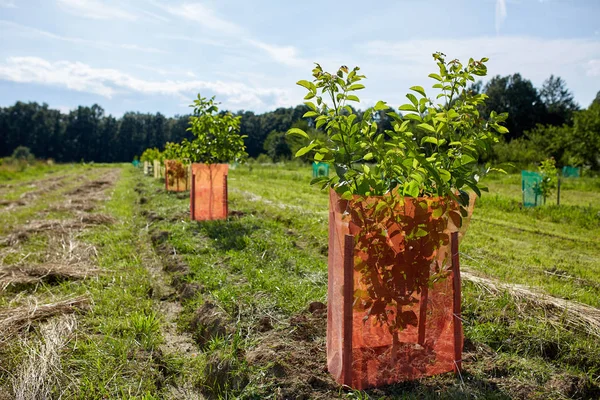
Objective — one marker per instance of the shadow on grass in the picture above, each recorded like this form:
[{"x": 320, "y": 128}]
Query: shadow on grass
[
  {"x": 227, "y": 235},
  {"x": 445, "y": 386}
]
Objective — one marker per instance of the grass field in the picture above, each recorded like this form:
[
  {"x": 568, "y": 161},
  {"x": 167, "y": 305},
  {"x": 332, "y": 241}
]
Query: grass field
[{"x": 170, "y": 308}]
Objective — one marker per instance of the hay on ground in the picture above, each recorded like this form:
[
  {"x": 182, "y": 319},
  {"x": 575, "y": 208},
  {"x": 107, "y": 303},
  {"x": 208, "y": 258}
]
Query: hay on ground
[
  {"x": 30, "y": 274},
  {"x": 16, "y": 319},
  {"x": 563, "y": 312},
  {"x": 42, "y": 369}
]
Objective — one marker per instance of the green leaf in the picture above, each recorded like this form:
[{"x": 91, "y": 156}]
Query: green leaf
[
  {"x": 411, "y": 189},
  {"x": 436, "y": 77},
  {"x": 305, "y": 150},
  {"x": 368, "y": 156},
  {"x": 306, "y": 84},
  {"x": 426, "y": 127},
  {"x": 429, "y": 139},
  {"x": 408, "y": 107},
  {"x": 380, "y": 106},
  {"x": 356, "y": 86},
  {"x": 309, "y": 114},
  {"x": 419, "y": 90},
  {"x": 500, "y": 129},
  {"x": 413, "y": 99},
  {"x": 352, "y": 97},
  {"x": 298, "y": 132}
]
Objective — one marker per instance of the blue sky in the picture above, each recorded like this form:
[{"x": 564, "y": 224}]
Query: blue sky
[{"x": 156, "y": 55}]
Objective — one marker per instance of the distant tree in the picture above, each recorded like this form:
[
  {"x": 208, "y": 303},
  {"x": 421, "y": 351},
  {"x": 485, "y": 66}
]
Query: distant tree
[
  {"x": 277, "y": 146},
  {"x": 597, "y": 99},
  {"x": 585, "y": 141},
  {"x": 519, "y": 98},
  {"x": 23, "y": 153},
  {"x": 558, "y": 100}
]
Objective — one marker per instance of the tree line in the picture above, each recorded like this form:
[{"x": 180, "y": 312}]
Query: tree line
[{"x": 542, "y": 122}]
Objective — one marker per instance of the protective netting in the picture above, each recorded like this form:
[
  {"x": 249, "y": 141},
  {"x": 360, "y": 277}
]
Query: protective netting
[
  {"x": 571, "y": 172},
  {"x": 177, "y": 176},
  {"x": 320, "y": 169},
  {"x": 209, "y": 192},
  {"x": 398, "y": 318},
  {"x": 530, "y": 186}
]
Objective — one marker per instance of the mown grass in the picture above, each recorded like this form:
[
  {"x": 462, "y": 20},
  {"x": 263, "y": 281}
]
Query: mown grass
[
  {"x": 116, "y": 351},
  {"x": 271, "y": 260}
]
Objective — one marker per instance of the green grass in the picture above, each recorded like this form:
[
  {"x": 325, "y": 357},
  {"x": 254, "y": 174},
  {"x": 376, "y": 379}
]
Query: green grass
[{"x": 270, "y": 260}]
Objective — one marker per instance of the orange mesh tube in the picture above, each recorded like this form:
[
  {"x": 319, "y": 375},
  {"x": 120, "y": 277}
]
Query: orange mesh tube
[
  {"x": 395, "y": 319},
  {"x": 208, "y": 197},
  {"x": 177, "y": 176}
]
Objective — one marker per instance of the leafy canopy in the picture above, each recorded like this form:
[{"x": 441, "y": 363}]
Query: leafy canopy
[
  {"x": 151, "y": 154},
  {"x": 453, "y": 135},
  {"x": 217, "y": 135}
]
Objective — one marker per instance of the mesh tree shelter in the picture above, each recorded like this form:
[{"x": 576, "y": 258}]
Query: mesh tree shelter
[
  {"x": 209, "y": 192},
  {"x": 320, "y": 169},
  {"x": 571, "y": 172},
  {"x": 393, "y": 293},
  {"x": 177, "y": 176},
  {"x": 530, "y": 186}
]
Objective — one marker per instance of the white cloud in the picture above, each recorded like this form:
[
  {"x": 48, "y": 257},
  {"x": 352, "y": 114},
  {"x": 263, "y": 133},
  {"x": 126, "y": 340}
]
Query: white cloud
[
  {"x": 500, "y": 14},
  {"x": 96, "y": 10},
  {"x": 207, "y": 18},
  {"x": 204, "y": 16},
  {"x": 593, "y": 68},
  {"x": 110, "y": 82},
  {"x": 287, "y": 55},
  {"x": 535, "y": 58},
  {"x": 7, "y": 4},
  {"x": 14, "y": 27}
]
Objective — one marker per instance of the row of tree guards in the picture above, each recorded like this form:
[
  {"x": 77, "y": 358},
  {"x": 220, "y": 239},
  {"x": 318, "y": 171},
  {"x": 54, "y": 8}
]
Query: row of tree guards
[{"x": 397, "y": 211}]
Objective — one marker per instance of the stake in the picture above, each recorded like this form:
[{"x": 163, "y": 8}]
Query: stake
[
  {"x": 456, "y": 304},
  {"x": 193, "y": 197},
  {"x": 558, "y": 192},
  {"x": 348, "y": 300},
  {"x": 225, "y": 201}
]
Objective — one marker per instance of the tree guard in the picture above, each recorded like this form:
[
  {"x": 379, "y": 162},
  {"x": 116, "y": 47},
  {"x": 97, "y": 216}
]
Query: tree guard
[
  {"x": 208, "y": 196},
  {"x": 177, "y": 176},
  {"x": 393, "y": 290}
]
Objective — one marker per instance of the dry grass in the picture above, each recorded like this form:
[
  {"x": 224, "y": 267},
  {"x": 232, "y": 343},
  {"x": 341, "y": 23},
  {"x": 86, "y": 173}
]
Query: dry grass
[
  {"x": 560, "y": 312},
  {"x": 16, "y": 319},
  {"x": 42, "y": 370},
  {"x": 30, "y": 274},
  {"x": 56, "y": 226}
]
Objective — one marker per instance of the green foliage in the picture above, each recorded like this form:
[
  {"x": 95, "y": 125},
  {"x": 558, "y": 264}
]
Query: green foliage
[
  {"x": 151, "y": 154},
  {"x": 371, "y": 163},
  {"x": 432, "y": 150},
  {"x": 217, "y": 135},
  {"x": 549, "y": 177},
  {"x": 175, "y": 151},
  {"x": 22, "y": 153},
  {"x": 277, "y": 146}
]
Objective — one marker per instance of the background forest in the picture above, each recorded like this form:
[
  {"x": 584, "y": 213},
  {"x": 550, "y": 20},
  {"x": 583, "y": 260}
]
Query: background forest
[{"x": 543, "y": 122}]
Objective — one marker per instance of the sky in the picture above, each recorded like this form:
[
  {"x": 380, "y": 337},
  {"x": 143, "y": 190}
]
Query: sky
[{"x": 157, "y": 55}]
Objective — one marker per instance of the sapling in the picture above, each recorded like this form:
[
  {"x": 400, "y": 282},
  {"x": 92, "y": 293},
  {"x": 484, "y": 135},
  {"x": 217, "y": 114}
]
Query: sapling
[{"x": 426, "y": 163}]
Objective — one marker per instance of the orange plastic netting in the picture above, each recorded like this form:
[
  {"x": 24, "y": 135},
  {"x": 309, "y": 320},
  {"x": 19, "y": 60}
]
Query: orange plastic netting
[
  {"x": 209, "y": 192},
  {"x": 395, "y": 320},
  {"x": 177, "y": 176}
]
